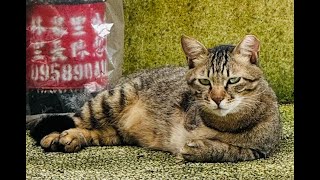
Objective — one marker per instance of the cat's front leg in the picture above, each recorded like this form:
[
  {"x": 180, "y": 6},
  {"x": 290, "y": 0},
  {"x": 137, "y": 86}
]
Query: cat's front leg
[
  {"x": 74, "y": 139},
  {"x": 205, "y": 150}
]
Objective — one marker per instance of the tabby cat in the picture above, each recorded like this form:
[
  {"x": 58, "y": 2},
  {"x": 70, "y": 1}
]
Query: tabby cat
[{"x": 218, "y": 109}]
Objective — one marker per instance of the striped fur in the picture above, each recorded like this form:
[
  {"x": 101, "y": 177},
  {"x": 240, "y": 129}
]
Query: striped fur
[{"x": 219, "y": 109}]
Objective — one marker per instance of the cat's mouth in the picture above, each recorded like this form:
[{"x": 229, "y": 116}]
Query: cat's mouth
[
  {"x": 220, "y": 108},
  {"x": 213, "y": 106}
]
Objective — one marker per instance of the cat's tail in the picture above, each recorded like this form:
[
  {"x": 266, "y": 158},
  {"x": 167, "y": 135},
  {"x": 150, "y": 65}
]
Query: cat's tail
[{"x": 42, "y": 125}]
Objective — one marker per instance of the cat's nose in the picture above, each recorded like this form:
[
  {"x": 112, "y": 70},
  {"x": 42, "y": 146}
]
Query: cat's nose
[
  {"x": 217, "y": 99},
  {"x": 217, "y": 94}
]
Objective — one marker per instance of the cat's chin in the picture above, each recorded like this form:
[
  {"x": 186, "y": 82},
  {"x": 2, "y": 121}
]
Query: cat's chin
[
  {"x": 212, "y": 109},
  {"x": 221, "y": 112}
]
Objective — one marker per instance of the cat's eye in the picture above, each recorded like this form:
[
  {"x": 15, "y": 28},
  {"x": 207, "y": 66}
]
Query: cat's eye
[
  {"x": 234, "y": 80},
  {"x": 204, "y": 81}
]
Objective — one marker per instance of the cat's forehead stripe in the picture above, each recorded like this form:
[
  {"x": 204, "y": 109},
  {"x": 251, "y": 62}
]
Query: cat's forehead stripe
[{"x": 220, "y": 58}]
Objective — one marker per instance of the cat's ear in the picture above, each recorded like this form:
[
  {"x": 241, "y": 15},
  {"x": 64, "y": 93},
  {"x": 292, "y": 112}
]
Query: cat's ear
[
  {"x": 194, "y": 50},
  {"x": 249, "y": 47}
]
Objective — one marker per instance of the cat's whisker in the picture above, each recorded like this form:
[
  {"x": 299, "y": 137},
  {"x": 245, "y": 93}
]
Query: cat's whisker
[
  {"x": 251, "y": 101},
  {"x": 258, "y": 94},
  {"x": 247, "y": 105}
]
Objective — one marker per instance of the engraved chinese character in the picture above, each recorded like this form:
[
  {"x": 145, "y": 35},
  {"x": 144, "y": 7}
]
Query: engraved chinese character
[
  {"x": 57, "y": 51},
  {"x": 97, "y": 19},
  {"x": 100, "y": 27},
  {"x": 99, "y": 46},
  {"x": 78, "y": 49},
  {"x": 37, "y": 51},
  {"x": 77, "y": 23},
  {"x": 36, "y": 26},
  {"x": 58, "y": 29}
]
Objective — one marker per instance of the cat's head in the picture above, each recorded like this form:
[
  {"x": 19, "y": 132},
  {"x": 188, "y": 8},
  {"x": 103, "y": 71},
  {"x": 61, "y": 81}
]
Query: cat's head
[{"x": 225, "y": 78}]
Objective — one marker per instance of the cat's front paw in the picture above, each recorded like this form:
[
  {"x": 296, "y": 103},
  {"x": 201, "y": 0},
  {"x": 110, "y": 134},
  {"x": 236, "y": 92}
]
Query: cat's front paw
[
  {"x": 50, "y": 142},
  {"x": 68, "y": 141},
  {"x": 71, "y": 140},
  {"x": 194, "y": 150}
]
